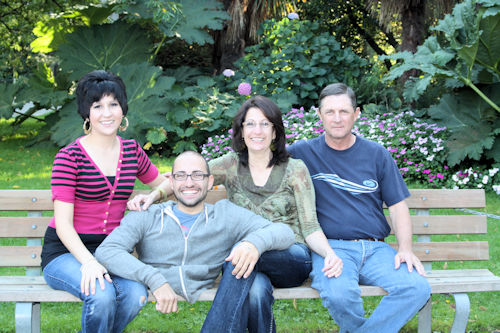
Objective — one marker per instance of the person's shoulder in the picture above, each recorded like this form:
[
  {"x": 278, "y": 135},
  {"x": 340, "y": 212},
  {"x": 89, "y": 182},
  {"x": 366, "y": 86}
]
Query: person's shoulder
[
  {"x": 230, "y": 157},
  {"x": 305, "y": 144},
  {"x": 73, "y": 149},
  {"x": 129, "y": 143},
  {"x": 296, "y": 164},
  {"x": 370, "y": 144}
]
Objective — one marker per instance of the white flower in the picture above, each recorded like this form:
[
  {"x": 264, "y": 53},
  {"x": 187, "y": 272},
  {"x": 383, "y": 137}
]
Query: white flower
[
  {"x": 466, "y": 180},
  {"x": 496, "y": 188},
  {"x": 493, "y": 172},
  {"x": 430, "y": 158},
  {"x": 485, "y": 180},
  {"x": 480, "y": 185},
  {"x": 455, "y": 178}
]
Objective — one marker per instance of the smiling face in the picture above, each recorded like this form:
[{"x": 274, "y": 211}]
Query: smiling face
[
  {"x": 338, "y": 117},
  {"x": 190, "y": 194},
  {"x": 105, "y": 116},
  {"x": 256, "y": 134}
]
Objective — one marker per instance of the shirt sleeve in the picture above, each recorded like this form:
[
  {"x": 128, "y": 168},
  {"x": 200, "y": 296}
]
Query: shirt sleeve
[
  {"x": 147, "y": 171},
  {"x": 219, "y": 168},
  {"x": 305, "y": 199},
  {"x": 64, "y": 177},
  {"x": 393, "y": 187}
]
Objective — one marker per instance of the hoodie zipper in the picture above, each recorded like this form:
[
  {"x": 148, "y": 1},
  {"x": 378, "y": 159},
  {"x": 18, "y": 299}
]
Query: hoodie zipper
[{"x": 170, "y": 213}]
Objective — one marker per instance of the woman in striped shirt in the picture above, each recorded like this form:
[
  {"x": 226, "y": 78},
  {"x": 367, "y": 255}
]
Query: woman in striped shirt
[{"x": 92, "y": 179}]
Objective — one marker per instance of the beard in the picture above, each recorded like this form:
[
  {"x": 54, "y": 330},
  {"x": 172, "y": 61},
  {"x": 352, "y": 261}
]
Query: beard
[{"x": 191, "y": 202}]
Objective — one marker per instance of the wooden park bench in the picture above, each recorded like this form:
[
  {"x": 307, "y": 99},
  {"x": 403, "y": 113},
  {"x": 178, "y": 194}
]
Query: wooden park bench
[{"x": 29, "y": 290}]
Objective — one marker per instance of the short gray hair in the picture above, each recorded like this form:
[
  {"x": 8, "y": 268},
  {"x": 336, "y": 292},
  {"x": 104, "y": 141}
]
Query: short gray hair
[{"x": 338, "y": 89}]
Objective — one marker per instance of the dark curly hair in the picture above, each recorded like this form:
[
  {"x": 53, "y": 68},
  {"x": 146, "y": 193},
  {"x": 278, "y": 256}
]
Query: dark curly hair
[
  {"x": 96, "y": 84},
  {"x": 273, "y": 113}
]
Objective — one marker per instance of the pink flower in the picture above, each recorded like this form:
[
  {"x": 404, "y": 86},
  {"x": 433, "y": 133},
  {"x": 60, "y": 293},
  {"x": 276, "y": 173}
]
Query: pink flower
[
  {"x": 228, "y": 72},
  {"x": 440, "y": 176},
  {"x": 244, "y": 88}
]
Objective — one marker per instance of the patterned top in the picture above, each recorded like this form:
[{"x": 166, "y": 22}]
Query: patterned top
[
  {"x": 98, "y": 205},
  {"x": 287, "y": 197}
]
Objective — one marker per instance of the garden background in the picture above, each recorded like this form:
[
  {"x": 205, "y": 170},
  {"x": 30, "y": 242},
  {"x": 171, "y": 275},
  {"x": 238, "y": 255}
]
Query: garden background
[{"x": 427, "y": 76}]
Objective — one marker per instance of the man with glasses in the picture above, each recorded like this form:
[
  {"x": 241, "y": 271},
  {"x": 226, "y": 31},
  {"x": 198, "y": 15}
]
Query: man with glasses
[{"x": 183, "y": 245}]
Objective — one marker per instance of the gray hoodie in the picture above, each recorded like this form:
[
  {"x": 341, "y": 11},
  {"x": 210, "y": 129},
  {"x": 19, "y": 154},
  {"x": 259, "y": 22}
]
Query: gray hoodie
[{"x": 189, "y": 264}]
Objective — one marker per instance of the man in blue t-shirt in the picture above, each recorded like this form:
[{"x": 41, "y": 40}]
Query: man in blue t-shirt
[{"x": 353, "y": 177}]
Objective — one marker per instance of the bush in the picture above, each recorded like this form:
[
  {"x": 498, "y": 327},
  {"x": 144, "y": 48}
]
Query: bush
[{"x": 295, "y": 60}]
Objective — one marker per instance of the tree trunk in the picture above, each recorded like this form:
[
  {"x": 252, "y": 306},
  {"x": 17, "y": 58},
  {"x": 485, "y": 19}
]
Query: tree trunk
[
  {"x": 229, "y": 43},
  {"x": 413, "y": 24}
]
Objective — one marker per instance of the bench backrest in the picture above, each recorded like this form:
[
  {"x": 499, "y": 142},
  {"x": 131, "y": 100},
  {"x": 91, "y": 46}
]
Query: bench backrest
[{"x": 23, "y": 224}]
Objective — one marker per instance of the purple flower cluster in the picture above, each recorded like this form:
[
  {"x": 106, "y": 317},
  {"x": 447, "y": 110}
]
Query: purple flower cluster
[{"x": 245, "y": 89}]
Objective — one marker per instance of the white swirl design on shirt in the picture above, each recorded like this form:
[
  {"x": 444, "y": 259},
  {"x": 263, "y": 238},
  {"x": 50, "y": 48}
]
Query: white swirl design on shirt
[{"x": 334, "y": 180}]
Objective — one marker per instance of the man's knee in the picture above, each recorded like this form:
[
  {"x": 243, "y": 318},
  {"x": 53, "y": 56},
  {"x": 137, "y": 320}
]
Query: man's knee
[{"x": 261, "y": 290}]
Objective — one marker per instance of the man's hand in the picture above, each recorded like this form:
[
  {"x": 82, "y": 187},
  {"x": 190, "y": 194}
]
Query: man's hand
[
  {"x": 411, "y": 261},
  {"x": 166, "y": 299},
  {"x": 244, "y": 257},
  {"x": 333, "y": 265}
]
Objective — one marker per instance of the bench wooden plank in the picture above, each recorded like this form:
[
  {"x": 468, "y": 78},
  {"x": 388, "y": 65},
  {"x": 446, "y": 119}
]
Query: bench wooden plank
[
  {"x": 18, "y": 256},
  {"x": 11, "y": 227},
  {"x": 12, "y": 200},
  {"x": 429, "y": 198},
  {"x": 34, "y": 289}
]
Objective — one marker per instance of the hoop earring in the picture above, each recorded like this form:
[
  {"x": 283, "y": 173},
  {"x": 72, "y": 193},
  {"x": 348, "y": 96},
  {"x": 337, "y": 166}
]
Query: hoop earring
[
  {"x": 87, "y": 126},
  {"x": 272, "y": 146},
  {"x": 123, "y": 128}
]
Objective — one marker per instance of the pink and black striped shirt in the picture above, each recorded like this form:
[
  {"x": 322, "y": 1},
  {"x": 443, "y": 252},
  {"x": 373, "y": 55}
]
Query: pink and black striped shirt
[{"x": 99, "y": 205}]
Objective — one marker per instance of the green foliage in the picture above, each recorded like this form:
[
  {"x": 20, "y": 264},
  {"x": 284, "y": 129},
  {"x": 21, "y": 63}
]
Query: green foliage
[
  {"x": 184, "y": 19},
  {"x": 473, "y": 123},
  {"x": 295, "y": 60},
  {"x": 462, "y": 63},
  {"x": 101, "y": 47}
]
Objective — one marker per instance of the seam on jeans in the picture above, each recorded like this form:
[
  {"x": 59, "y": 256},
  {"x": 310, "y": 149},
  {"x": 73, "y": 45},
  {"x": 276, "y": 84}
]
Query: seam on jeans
[
  {"x": 239, "y": 304},
  {"x": 78, "y": 291},
  {"x": 363, "y": 255}
]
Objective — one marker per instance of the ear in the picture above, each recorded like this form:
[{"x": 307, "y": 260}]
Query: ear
[
  {"x": 357, "y": 112},
  {"x": 210, "y": 182}
]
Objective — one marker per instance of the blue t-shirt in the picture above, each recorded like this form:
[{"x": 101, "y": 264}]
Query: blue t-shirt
[
  {"x": 186, "y": 220},
  {"x": 351, "y": 186}
]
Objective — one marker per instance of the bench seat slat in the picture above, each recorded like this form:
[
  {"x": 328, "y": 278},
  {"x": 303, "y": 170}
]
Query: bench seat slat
[{"x": 34, "y": 289}]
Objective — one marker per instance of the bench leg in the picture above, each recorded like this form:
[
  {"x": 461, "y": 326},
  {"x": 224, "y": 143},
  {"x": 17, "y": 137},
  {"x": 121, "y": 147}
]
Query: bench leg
[
  {"x": 28, "y": 317},
  {"x": 462, "y": 310},
  {"x": 425, "y": 317}
]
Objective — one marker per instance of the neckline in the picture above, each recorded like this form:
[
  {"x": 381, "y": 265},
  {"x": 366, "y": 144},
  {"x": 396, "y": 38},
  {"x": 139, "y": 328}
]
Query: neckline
[{"x": 118, "y": 166}]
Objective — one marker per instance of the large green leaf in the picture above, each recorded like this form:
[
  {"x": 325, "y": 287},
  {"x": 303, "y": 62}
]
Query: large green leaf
[
  {"x": 488, "y": 53},
  {"x": 199, "y": 15},
  {"x": 145, "y": 88},
  {"x": 7, "y": 98},
  {"x": 102, "y": 47},
  {"x": 51, "y": 33},
  {"x": 67, "y": 124},
  {"x": 470, "y": 121}
]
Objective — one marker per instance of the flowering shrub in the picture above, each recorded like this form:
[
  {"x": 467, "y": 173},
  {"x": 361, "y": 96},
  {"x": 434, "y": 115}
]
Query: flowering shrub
[
  {"x": 245, "y": 89},
  {"x": 417, "y": 146}
]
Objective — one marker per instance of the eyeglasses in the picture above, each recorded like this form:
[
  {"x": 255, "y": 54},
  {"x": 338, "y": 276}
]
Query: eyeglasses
[
  {"x": 252, "y": 124},
  {"x": 196, "y": 176}
]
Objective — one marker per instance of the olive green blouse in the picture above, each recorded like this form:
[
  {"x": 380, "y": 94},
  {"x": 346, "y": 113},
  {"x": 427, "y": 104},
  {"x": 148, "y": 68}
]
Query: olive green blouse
[{"x": 287, "y": 197}]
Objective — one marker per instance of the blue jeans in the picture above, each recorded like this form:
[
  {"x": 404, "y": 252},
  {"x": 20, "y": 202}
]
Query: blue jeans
[
  {"x": 229, "y": 310},
  {"x": 369, "y": 263},
  {"x": 282, "y": 269},
  {"x": 109, "y": 310}
]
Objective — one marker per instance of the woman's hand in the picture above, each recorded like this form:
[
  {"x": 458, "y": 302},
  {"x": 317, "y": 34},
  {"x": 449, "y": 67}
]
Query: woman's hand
[
  {"x": 92, "y": 270},
  {"x": 142, "y": 201}
]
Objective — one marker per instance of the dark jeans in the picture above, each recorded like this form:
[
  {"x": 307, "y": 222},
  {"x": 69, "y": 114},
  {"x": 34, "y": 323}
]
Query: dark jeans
[{"x": 281, "y": 269}]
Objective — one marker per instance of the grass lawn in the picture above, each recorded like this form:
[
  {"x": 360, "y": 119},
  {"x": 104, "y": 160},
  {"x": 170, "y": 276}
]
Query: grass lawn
[{"x": 23, "y": 168}]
